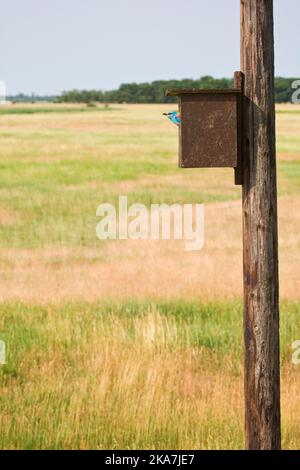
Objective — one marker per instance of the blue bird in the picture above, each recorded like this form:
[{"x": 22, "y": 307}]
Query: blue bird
[{"x": 174, "y": 116}]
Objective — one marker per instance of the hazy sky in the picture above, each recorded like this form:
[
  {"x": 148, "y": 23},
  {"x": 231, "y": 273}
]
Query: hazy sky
[{"x": 47, "y": 46}]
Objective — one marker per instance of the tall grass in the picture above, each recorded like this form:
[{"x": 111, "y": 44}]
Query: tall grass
[
  {"x": 59, "y": 162},
  {"x": 129, "y": 376}
]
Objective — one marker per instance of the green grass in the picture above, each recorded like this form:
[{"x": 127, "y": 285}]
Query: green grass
[
  {"x": 55, "y": 109},
  {"x": 54, "y": 176},
  {"x": 53, "y": 180},
  {"x": 287, "y": 111},
  {"x": 117, "y": 375},
  {"x": 288, "y": 143},
  {"x": 60, "y": 174},
  {"x": 64, "y": 385},
  {"x": 216, "y": 326}
]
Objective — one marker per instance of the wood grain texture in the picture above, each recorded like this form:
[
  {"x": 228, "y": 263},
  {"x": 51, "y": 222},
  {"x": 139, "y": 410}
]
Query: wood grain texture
[
  {"x": 239, "y": 82},
  {"x": 261, "y": 311},
  {"x": 197, "y": 91}
]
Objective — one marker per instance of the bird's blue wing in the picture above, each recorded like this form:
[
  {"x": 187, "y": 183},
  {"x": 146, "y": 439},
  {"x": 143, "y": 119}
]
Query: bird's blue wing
[{"x": 175, "y": 118}]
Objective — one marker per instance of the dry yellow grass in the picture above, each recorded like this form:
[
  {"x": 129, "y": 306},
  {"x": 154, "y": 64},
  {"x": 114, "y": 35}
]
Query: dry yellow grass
[
  {"x": 84, "y": 376},
  {"x": 119, "y": 393},
  {"x": 151, "y": 269},
  {"x": 86, "y": 379},
  {"x": 163, "y": 269}
]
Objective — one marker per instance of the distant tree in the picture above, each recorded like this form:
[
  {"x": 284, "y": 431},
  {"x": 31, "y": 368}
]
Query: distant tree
[
  {"x": 283, "y": 89},
  {"x": 154, "y": 92}
]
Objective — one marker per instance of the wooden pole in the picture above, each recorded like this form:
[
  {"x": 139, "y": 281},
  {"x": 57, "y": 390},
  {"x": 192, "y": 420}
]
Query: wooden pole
[{"x": 260, "y": 252}]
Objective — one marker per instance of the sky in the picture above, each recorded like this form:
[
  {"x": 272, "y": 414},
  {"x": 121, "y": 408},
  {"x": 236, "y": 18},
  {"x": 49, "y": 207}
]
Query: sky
[{"x": 47, "y": 46}]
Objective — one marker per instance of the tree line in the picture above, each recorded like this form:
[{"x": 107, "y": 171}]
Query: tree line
[
  {"x": 23, "y": 98},
  {"x": 153, "y": 92}
]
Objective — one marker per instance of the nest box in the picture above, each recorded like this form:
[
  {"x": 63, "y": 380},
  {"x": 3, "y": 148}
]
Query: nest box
[{"x": 211, "y": 127}]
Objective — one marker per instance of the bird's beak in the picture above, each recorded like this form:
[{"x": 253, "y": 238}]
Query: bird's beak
[{"x": 165, "y": 114}]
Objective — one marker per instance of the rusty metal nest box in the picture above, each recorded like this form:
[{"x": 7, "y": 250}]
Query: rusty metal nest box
[{"x": 209, "y": 133}]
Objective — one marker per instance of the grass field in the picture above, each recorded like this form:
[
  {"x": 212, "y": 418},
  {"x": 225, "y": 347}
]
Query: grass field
[{"x": 128, "y": 344}]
